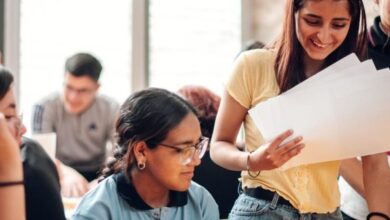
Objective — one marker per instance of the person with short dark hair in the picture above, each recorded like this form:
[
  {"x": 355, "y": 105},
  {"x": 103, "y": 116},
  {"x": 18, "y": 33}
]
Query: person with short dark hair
[
  {"x": 40, "y": 177},
  {"x": 84, "y": 64},
  {"x": 83, "y": 121},
  {"x": 159, "y": 146}
]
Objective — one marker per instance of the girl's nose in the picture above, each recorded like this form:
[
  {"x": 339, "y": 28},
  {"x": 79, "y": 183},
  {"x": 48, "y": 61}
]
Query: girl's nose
[
  {"x": 324, "y": 35},
  {"x": 195, "y": 160}
]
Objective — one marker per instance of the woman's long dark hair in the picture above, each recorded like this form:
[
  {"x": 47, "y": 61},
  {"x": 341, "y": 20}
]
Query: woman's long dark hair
[
  {"x": 289, "y": 59},
  {"x": 6, "y": 80},
  {"x": 147, "y": 115}
]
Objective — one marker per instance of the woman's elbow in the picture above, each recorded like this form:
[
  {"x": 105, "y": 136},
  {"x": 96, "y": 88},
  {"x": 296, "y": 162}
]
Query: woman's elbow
[{"x": 213, "y": 150}]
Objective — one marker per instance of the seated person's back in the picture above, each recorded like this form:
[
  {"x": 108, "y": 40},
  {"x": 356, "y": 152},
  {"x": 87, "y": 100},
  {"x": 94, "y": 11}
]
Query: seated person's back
[{"x": 41, "y": 182}]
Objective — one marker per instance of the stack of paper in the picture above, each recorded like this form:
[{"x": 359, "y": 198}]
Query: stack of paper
[{"x": 341, "y": 112}]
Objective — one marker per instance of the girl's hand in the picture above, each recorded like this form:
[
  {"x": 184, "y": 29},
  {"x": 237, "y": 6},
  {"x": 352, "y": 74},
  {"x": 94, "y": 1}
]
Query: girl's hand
[{"x": 275, "y": 154}]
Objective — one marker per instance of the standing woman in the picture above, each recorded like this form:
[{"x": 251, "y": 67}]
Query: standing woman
[
  {"x": 316, "y": 34},
  {"x": 159, "y": 146}
]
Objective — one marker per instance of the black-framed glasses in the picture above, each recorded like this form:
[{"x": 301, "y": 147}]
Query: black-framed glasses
[{"x": 187, "y": 153}]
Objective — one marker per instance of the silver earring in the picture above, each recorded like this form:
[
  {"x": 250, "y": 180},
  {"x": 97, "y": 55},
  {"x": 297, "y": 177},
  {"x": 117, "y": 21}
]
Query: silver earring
[{"x": 141, "y": 165}]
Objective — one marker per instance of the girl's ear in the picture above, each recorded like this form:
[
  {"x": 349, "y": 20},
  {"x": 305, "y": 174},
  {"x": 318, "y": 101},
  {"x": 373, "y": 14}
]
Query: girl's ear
[{"x": 139, "y": 151}]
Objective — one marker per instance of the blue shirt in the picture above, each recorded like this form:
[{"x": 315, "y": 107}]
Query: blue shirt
[{"x": 115, "y": 198}]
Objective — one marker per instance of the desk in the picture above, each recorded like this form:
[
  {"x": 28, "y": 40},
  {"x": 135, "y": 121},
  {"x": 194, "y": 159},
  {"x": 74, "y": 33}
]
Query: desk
[{"x": 70, "y": 205}]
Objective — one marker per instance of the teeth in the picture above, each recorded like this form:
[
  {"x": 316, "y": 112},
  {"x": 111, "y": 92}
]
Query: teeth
[{"x": 319, "y": 44}]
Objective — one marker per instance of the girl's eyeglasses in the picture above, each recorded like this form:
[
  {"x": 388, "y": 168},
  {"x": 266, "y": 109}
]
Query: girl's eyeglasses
[{"x": 187, "y": 153}]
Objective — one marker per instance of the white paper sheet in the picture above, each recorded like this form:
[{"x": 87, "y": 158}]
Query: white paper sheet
[
  {"x": 48, "y": 142},
  {"x": 334, "y": 69},
  {"x": 352, "y": 68},
  {"x": 343, "y": 115}
]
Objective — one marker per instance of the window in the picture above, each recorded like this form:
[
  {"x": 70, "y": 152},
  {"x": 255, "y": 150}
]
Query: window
[
  {"x": 51, "y": 31},
  {"x": 193, "y": 42}
]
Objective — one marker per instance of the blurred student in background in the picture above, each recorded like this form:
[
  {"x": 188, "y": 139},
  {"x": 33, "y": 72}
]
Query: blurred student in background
[
  {"x": 41, "y": 181},
  {"x": 83, "y": 121},
  {"x": 379, "y": 36},
  {"x": 11, "y": 173}
]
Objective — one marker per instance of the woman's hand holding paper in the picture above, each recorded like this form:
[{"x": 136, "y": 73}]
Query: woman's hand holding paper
[{"x": 274, "y": 154}]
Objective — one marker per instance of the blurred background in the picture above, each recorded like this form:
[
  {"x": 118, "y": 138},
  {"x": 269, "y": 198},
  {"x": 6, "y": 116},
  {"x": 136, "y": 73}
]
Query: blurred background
[{"x": 141, "y": 43}]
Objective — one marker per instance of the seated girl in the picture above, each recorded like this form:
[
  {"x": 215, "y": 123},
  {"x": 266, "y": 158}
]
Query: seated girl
[{"x": 159, "y": 146}]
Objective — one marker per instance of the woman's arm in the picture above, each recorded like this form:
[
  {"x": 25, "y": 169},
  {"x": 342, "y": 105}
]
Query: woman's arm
[
  {"x": 352, "y": 172},
  {"x": 225, "y": 153},
  {"x": 223, "y": 150},
  {"x": 11, "y": 176},
  {"x": 376, "y": 174},
  {"x": 73, "y": 184}
]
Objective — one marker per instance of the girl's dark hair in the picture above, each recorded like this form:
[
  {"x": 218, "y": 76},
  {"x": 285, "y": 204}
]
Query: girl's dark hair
[
  {"x": 147, "y": 115},
  {"x": 6, "y": 80},
  {"x": 289, "y": 59}
]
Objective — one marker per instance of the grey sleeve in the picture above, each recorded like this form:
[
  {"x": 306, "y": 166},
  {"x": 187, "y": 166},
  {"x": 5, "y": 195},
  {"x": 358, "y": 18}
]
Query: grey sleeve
[
  {"x": 43, "y": 119},
  {"x": 114, "y": 114}
]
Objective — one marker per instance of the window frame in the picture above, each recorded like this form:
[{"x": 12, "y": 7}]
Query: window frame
[{"x": 140, "y": 39}]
